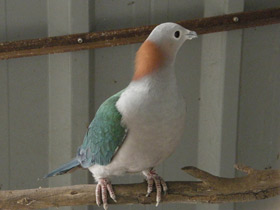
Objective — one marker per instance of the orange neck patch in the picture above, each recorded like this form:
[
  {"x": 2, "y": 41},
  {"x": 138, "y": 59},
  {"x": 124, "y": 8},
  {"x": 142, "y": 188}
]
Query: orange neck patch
[{"x": 149, "y": 58}]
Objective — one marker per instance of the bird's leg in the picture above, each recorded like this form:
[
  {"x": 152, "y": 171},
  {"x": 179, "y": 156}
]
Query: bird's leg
[
  {"x": 102, "y": 187},
  {"x": 153, "y": 178}
]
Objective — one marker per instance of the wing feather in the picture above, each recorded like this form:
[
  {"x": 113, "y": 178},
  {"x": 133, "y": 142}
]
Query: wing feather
[{"x": 105, "y": 135}]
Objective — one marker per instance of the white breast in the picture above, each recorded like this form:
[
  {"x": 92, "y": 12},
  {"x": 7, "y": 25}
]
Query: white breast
[{"x": 154, "y": 113}]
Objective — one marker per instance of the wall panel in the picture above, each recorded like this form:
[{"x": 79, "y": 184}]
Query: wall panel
[
  {"x": 218, "y": 107},
  {"x": 27, "y": 97},
  {"x": 259, "y": 116},
  {"x": 47, "y": 102},
  {"x": 68, "y": 91},
  {"x": 4, "y": 107},
  {"x": 259, "y": 105}
]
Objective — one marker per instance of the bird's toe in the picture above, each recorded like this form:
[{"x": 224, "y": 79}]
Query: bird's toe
[
  {"x": 158, "y": 189},
  {"x": 111, "y": 191},
  {"x": 102, "y": 187},
  {"x": 154, "y": 179},
  {"x": 98, "y": 194},
  {"x": 150, "y": 182},
  {"x": 164, "y": 186}
]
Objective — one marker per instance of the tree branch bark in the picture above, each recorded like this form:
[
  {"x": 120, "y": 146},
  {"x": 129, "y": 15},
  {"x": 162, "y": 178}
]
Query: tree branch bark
[
  {"x": 83, "y": 41},
  {"x": 256, "y": 185}
]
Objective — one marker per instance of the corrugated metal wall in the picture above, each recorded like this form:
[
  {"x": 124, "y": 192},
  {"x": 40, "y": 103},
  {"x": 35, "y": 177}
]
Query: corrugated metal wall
[
  {"x": 231, "y": 82},
  {"x": 259, "y": 101}
]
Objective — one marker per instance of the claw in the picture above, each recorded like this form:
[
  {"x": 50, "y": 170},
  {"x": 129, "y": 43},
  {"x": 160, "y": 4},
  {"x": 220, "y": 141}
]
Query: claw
[
  {"x": 158, "y": 189},
  {"x": 153, "y": 178},
  {"x": 164, "y": 186},
  {"x": 105, "y": 206},
  {"x": 150, "y": 186},
  {"x": 97, "y": 194},
  {"x": 111, "y": 192},
  {"x": 102, "y": 187}
]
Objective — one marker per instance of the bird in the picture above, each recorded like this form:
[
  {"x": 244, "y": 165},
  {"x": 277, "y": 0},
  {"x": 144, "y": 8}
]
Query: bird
[{"x": 139, "y": 127}]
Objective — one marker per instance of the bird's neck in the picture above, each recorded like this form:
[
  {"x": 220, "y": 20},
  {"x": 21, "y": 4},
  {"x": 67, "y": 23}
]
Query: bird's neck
[
  {"x": 150, "y": 59},
  {"x": 156, "y": 82}
]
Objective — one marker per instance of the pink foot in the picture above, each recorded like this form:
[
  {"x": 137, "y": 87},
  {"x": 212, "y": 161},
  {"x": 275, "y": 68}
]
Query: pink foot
[
  {"x": 102, "y": 187},
  {"x": 153, "y": 178}
]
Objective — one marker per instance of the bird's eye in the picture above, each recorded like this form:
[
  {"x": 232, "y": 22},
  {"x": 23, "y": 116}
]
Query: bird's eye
[{"x": 177, "y": 34}]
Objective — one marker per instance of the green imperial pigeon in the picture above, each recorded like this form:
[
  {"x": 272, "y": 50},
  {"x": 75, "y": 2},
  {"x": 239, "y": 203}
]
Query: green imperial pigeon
[{"x": 136, "y": 129}]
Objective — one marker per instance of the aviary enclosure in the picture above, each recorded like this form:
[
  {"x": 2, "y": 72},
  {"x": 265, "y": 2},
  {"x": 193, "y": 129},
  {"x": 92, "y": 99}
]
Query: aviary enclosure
[{"x": 254, "y": 184}]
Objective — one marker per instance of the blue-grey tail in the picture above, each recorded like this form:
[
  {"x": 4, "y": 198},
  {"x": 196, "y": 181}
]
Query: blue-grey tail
[{"x": 68, "y": 167}]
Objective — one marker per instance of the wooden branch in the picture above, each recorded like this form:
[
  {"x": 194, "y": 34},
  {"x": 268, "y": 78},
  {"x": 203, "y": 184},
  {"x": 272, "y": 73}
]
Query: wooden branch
[
  {"x": 92, "y": 40},
  {"x": 257, "y": 184}
]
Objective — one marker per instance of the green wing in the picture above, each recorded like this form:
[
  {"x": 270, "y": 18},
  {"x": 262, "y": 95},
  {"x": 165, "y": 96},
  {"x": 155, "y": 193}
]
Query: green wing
[{"x": 104, "y": 136}]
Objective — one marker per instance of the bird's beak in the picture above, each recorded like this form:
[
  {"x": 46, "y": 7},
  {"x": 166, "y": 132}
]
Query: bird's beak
[{"x": 191, "y": 35}]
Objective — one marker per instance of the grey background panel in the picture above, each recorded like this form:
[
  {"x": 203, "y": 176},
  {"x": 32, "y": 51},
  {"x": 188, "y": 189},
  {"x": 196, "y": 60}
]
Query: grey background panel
[
  {"x": 4, "y": 108},
  {"x": 259, "y": 117},
  {"x": 258, "y": 142},
  {"x": 230, "y": 81},
  {"x": 28, "y": 117}
]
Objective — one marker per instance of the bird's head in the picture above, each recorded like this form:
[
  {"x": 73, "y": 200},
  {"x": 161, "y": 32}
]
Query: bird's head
[
  {"x": 169, "y": 37},
  {"x": 160, "y": 48}
]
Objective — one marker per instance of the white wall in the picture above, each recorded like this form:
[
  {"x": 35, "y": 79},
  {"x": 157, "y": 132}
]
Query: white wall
[
  {"x": 230, "y": 81},
  {"x": 259, "y": 103}
]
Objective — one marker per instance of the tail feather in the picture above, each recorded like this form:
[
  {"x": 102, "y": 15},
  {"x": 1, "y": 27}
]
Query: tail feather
[{"x": 68, "y": 167}]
